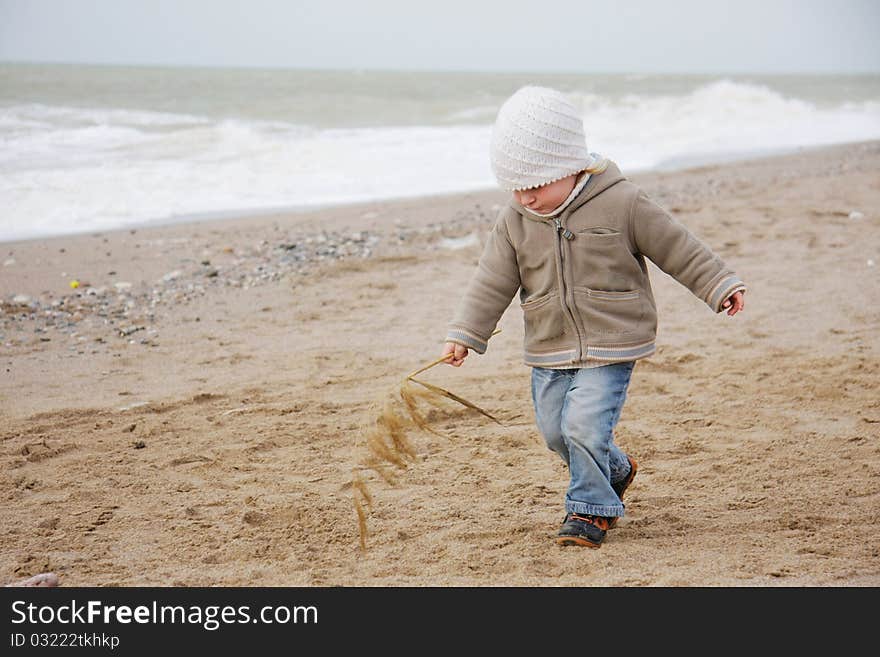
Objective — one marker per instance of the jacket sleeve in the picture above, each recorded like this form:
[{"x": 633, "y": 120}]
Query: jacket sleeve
[
  {"x": 680, "y": 254},
  {"x": 488, "y": 293}
]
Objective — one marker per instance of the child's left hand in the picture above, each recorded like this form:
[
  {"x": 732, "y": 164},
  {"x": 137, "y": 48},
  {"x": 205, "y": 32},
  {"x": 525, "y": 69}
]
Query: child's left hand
[{"x": 735, "y": 303}]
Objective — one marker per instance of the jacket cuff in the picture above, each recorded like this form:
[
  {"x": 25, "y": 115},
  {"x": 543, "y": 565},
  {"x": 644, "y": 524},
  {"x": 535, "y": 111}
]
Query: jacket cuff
[
  {"x": 722, "y": 290},
  {"x": 470, "y": 340}
]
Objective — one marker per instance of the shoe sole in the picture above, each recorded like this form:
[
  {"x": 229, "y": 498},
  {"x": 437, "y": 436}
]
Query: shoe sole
[
  {"x": 634, "y": 468},
  {"x": 575, "y": 540}
]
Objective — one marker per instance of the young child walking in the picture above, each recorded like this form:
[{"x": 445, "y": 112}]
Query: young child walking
[{"x": 573, "y": 241}]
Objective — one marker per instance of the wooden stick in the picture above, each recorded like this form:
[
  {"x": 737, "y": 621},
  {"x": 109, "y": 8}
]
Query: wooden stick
[
  {"x": 430, "y": 365},
  {"x": 441, "y": 359}
]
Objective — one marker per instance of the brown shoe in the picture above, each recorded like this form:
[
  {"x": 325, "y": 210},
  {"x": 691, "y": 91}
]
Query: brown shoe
[
  {"x": 581, "y": 529},
  {"x": 621, "y": 486}
]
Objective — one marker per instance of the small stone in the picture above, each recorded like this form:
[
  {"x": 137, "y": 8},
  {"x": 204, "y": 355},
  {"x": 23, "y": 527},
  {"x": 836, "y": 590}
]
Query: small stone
[
  {"x": 21, "y": 298},
  {"x": 870, "y": 262},
  {"x": 49, "y": 523},
  {"x": 855, "y": 215},
  {"x": 170, "y": 276},
  {"x": 455, "y": 243},
  {"x": 255, "y": 517},
  {"x": 122, "y": 285},
  {"x": 139, "y": 444},
  {"x": 9, "y": 262}
]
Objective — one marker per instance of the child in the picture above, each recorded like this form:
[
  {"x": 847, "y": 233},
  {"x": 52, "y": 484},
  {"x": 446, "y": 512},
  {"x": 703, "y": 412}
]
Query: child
[{"x": 573, "y": 240}]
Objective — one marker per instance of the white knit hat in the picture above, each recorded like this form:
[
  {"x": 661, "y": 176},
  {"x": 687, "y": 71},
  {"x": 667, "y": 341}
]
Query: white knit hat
[{"x": 538, "y": 138}]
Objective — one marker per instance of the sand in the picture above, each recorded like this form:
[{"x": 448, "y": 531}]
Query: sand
[{"x": 214, "y": 444}]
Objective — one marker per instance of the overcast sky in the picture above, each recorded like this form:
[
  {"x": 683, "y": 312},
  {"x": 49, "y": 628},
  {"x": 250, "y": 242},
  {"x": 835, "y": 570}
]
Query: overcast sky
[{"x": 701, "y": 36}]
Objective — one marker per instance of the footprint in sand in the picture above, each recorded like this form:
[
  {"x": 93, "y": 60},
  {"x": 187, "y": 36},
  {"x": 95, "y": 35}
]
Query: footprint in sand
[{"x": 103, "y": 518}]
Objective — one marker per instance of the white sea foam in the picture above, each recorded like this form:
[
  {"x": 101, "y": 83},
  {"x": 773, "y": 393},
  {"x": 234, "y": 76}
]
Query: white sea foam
[
  {"x": 67, "y": 169},
  {"x": 75, "y": 177},
  {"x": 723, "y": 117}
]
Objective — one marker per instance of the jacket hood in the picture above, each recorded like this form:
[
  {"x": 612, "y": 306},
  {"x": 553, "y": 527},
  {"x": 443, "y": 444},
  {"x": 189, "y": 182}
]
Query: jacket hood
[{"x": 597, "y": 184}]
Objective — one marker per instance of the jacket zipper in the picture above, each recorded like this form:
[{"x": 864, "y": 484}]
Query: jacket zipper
[{"x": 562, "y": 232}]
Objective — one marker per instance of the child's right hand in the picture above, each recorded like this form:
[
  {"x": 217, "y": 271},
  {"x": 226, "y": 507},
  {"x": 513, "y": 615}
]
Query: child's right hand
[{"x": 459, "y": 353}]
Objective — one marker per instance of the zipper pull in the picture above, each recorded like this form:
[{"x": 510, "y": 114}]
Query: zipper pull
[{"x": 566, "y": 233}]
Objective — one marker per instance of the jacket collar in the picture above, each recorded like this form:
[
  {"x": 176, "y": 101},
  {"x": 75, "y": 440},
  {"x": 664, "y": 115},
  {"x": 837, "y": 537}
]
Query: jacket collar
[{"x": 597, "y": 184}]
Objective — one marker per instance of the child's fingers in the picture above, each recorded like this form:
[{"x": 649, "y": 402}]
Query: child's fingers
[
  {"x": 734, "y": 304},
  {"x": 735, "y": 307},
  {"x": 455, "y": 353}
]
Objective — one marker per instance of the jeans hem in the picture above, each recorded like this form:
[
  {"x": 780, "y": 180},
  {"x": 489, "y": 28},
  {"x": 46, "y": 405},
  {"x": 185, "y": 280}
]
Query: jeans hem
[{"x": 606, "y": 510}]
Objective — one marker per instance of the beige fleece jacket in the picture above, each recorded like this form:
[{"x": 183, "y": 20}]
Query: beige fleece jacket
[{"x": 582, "y": 278}]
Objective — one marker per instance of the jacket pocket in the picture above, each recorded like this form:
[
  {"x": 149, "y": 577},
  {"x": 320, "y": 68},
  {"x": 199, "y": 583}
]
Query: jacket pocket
[
  {"x": 608, "y": 313},
  {"x": 543, "y": 319}
]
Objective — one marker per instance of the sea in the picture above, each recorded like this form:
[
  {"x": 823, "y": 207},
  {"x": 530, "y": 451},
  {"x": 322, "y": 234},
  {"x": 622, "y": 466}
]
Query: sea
[{"x": 94, "y": 148}]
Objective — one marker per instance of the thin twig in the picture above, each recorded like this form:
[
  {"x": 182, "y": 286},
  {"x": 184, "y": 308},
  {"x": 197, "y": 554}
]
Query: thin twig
[{"x": 442, "y": 358}]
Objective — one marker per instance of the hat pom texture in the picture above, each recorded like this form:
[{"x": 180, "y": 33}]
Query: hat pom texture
[{"x": 538, "y": 138}]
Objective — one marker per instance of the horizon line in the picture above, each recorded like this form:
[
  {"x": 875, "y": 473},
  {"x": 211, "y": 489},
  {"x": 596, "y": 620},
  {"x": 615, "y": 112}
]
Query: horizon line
[{"x": 362, "y": 69}]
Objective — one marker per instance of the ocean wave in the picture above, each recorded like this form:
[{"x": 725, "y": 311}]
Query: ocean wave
[{"x": 71, "y": 169}]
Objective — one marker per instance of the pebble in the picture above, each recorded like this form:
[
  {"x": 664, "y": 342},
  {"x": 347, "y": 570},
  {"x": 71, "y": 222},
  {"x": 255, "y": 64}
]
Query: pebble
[
  {"x": 112, "y": 312},
  {"x": 855, "y": 215},
  {"x": 134, "y": 405},
  {"x": 9, "y": 262},
  {"x": 455, "y": 243}
]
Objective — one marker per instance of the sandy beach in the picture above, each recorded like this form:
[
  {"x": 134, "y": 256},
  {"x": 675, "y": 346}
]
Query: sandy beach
[{"x": 189, "y": 414}]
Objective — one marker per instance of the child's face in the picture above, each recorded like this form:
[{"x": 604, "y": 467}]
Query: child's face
[{"x": 546, "y": 198}]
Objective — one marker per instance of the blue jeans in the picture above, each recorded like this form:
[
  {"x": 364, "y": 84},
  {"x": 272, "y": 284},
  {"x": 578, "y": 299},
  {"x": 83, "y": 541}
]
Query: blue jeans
[{"x": 576, "y": 411}]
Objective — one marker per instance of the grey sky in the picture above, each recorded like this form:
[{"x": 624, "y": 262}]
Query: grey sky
[{"x": 707, "y": 36}]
